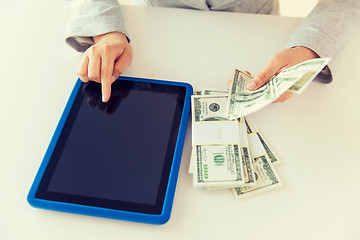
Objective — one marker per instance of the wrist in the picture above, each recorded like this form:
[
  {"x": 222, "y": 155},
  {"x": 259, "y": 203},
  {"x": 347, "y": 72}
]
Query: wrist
[
  {"x": 306, "y": 52},
  {"x": 110, "y": 36}
]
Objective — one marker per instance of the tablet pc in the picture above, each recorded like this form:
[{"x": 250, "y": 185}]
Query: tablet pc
[{"x": 118, "y": 159}]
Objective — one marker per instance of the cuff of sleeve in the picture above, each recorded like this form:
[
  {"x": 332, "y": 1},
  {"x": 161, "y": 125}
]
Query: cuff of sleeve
[
  {"x": 80, "y": 44},
  {"x": 82, "y": 28}
]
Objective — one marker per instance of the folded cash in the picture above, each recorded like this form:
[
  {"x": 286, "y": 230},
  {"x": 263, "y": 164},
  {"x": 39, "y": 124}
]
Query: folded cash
[
  {"x": 266, "y": 178},
  {"x": 266, "y": 175},
  {"x": 310, "y": 69},
  {"x": 256, "y": 137},
  {"x": 242, "y": 102}
]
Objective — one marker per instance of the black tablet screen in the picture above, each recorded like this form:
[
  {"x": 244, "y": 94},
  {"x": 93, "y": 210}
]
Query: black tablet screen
[{"x": 117, "y": 154}]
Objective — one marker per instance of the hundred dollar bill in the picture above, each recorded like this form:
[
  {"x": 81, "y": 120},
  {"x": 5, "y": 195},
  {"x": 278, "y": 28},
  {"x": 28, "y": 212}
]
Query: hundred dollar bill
[
  {"x": 218, "y": 166},
  {"x": 253, "y": 129},
  {"x": 243, "y": 102},
  {"x": 208, "y": 108},
  {"x": 266, "y": 178},
  {"x": 310, "y": 69}
]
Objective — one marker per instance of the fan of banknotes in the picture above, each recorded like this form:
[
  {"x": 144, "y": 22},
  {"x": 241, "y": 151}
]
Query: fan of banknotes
[{"x": 228, "y": 149}]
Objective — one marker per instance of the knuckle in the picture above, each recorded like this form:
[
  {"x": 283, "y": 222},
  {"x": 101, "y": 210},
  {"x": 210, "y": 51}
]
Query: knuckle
[
  {"x": 279, "y": 55},
  {"x": 109, "y": 48},
  {"x": 130, "y": 57},
  {"x": 81, "y": 73},
  {"x": 275, "y": 59},
  {"x": 129, "y": 52},
  {"x": 122, "y": 45},
  {"x": 262, "y": 77},
  {"x": 127, "y": 59},
  {"x": 129, "y": 48},
  {"x": 118, "y": 70},
  {"x": 108, "y": 51},
  {"x": 106, "y": 48},
  {"x": 94, "y": 77},
  {"x": 91, "y": 50},
  {"x": 105, "y": 76},
  {"x": 83, "y": 77},
  {"x": 85, "y": 80},
  {"x": 276, "y": 56},
  {"x": 106, "y": 71}
]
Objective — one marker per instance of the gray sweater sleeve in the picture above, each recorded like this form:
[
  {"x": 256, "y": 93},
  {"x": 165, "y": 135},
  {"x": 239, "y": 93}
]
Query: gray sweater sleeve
[
  {"x": 91, "y": 18},
  {"x": 326, "y": 30}
]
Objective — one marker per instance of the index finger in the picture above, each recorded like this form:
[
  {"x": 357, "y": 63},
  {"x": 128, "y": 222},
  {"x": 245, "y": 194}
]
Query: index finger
[{"x": 107, "y": 67}]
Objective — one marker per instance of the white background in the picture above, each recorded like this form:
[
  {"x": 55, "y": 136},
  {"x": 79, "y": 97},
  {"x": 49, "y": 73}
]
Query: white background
[{"x": 315, "y": 134}]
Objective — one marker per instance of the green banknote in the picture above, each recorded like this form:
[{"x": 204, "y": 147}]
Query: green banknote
[
  {"x": 242, "y": 102},
  {"x": 310, "y": 69},
  {"x": 208, "y": 108},
  {"x": 253, "y": 129},
  {"x": 266, "y": 178},
  {"x": 218, "y": 166}
]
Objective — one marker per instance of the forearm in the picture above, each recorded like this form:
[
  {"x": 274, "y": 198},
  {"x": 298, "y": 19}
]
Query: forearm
[
  {"x": 92, "y": 18},
  {"x": 327, "y": 29}
]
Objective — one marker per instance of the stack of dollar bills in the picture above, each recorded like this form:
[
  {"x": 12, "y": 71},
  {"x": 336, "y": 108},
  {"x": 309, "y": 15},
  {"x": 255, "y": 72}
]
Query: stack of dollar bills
[{"x": 228, "y": 149}]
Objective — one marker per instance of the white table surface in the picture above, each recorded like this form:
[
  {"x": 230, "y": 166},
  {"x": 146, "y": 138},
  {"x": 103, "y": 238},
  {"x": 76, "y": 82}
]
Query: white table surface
[{"x": 316, "y": 134}]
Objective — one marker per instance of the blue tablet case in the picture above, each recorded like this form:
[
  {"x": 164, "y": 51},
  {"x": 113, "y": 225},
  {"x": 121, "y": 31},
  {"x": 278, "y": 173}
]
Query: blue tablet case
[{"x": 161, "y": 218}]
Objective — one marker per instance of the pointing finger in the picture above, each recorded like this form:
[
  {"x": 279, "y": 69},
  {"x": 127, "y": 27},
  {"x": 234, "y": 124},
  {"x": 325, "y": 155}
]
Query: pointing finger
[{"x": 107, "y": 66}]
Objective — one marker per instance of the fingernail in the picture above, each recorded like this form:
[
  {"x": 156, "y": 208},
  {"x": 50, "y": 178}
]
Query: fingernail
[
  {"x": 251, "y": 85},
  {"x": 103, "y": 98}
]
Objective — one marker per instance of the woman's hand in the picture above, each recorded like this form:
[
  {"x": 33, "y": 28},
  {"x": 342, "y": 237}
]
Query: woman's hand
[
  {"x": 105, "y": 61},
  {"x": 281, "y": 60}
]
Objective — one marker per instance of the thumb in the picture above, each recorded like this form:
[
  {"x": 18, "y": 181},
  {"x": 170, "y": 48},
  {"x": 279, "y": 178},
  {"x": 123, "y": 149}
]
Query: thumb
[{"x": 264, "y": 76}]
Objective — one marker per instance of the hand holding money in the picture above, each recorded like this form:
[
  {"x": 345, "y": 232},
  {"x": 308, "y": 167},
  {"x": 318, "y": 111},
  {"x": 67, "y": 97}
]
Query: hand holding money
[
  {"x": 229, "y": 150},
  {"x": 283, "y": 59},
  {"x": 243, "y": 102}
]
